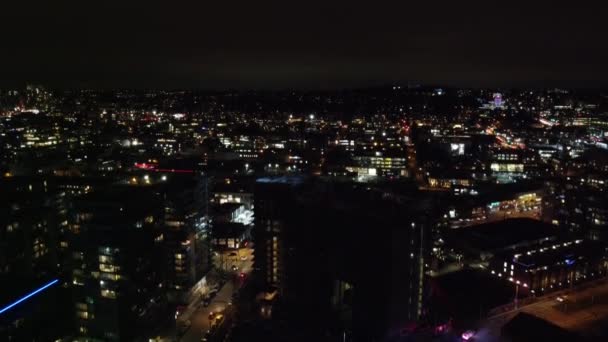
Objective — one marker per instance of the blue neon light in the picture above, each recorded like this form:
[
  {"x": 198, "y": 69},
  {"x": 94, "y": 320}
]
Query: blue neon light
[{"x": 28, "y": 296}]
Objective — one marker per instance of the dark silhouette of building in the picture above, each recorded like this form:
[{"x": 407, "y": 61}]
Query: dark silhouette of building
[
  {"x": 185, "y": 222},
  {"x": 29, "y": 260},
  {"x": 116, "y": 245},
  {"x": 344, "y": 258},
  {"x": 525, "y": 327}
]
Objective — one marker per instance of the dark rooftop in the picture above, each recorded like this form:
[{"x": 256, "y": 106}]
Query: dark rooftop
[
  {"x": 527, "y": 327},
  {"x": 468, "y": 293},
  {"x": 119, "y": 204},
  {"x": 501, "y": 234},
  {"x": 228, "y": 229},
  {"x": 564, "y": 252},
  {"x": 226, "y": 208}
]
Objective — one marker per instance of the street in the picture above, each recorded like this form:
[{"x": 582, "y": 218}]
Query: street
[
  {"x": 579, "y": 310},
  {"x": 200, "y": 322}
]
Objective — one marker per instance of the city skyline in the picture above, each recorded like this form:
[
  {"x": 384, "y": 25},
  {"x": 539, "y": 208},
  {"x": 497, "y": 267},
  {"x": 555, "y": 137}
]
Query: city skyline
[
  {"x": 389, "y": 213},
  {"x": 332, "y": 171}
]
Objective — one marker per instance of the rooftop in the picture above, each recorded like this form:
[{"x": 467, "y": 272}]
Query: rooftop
[
  {"x": 527, "y": 327},
  {"x": 502, "y": 234},
  {"x": 463, "y": 294},
  {"x": 551, "y": 253},
  {"x": 228, "y": 229}
]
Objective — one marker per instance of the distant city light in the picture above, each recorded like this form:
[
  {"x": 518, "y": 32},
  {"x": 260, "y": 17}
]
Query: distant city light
[{"x": 152, "y": 167}]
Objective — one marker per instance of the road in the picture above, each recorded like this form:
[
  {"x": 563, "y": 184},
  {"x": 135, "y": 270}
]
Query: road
[
  {"x": 581, "y": 310},
  {"x": 200, "y": 322}
]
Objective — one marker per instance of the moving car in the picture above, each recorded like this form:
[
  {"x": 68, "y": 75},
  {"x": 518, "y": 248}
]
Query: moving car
[{"x": 219, "y": 318}]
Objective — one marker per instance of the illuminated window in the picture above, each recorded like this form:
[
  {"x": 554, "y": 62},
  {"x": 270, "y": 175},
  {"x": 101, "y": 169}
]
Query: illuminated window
[
  {"x": 105, "y": 259},
  {"x": 111, "y": 276},
  {"x": 108, "y": 294},
  {"x": 108, "y": 268}
]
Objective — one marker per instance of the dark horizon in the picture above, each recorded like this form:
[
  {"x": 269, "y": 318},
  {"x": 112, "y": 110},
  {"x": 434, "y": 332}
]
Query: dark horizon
[
  {"x": 536, "y": 86},
  {"x": 316, "y": 46}
]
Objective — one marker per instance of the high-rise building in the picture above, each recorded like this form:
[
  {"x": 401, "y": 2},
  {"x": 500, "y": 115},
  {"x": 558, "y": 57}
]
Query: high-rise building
[
  {"x": 185, "y": 233},
  {"x": 29, "y": 261},
  {"x": 115, "y": 243},
  {"x": 342, "y": 253},
  {"x": 497, "y": 100},
  {"x": 272, "y": 198}
]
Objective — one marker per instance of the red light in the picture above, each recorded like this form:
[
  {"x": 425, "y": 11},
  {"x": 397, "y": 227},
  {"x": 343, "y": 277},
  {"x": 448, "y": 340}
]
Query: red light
[
  {"x": 152, "y": 167},
  {"x": 145, "y": 166}
]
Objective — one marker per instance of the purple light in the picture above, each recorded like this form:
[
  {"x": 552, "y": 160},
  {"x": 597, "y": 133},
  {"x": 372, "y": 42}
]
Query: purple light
[
  {"x": 498, "y": 100},
  {"x": 467, "y": 335}
]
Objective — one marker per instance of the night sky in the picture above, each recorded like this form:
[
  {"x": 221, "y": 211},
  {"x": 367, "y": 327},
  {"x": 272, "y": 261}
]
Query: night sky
[{"x": 302, "y": 44}]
